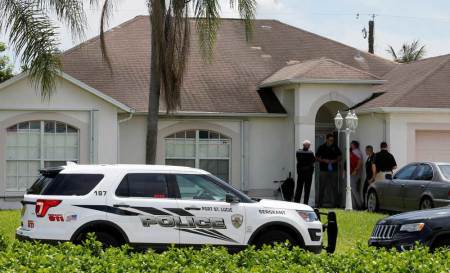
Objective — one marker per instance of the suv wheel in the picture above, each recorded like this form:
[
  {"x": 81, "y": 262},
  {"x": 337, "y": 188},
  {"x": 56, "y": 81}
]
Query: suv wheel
[
  {"x": 274, "y": 236},
  {"x": 426, "y": 203},
  {"x": 106, "y": 239},
  {"x": 372, "y": 201}
]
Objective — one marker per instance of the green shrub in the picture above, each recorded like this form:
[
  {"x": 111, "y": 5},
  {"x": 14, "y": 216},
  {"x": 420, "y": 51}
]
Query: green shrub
[{"x": 89, "y": 257}]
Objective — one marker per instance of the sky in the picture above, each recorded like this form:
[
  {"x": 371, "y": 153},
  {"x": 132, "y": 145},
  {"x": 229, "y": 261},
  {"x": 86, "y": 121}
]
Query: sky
[{"x": 396, "y": 21}]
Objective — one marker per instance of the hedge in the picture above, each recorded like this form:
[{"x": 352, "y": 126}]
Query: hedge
[{"x": 90, "y": 257}]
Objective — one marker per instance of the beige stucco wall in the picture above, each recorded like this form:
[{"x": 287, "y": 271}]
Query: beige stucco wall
[
  {"x": 21, "y": 102},
  {"x": 402, "y": 129}
]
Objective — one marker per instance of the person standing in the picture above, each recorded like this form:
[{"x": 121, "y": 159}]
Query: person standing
[
  {"x": 328, "y": 155},
  {"x": 369, "y": 171},
  {"x": 305, "y": 170},
  {"x": 356, "y": 159},
  {"x": 384, "y": 163}
]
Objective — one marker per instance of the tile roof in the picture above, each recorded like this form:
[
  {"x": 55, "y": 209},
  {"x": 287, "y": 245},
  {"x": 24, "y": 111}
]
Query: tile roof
[
  {"x": 421, "y": 84},
  {"x": 319, "y": 69},
  {"x": 229, "y": 83}
]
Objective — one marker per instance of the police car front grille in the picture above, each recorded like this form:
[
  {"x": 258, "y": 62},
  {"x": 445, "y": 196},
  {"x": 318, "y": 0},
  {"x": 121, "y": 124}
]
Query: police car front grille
[{"x": 383, "y": 232}]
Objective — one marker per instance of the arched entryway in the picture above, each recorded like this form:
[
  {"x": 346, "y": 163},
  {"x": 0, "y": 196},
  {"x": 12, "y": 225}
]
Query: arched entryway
[{"x": 324, "y": 124}]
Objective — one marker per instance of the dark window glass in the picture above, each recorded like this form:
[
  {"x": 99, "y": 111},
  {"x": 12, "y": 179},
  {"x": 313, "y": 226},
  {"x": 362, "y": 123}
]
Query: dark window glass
[
  {"x": 49, "y": 126},
  {"x": 203, "y": 134},
  {"x": 218, "y": 167},
  {"x": 406, "y": 172},
  {"x": 72, "y": 184},
  {"x": 40, "y": 184},
  {"x": 424, "y": 172},
  {"x": 24, "y": 125},
  {"x": 60, "y": 127},
  {"x": 148, "y": 185},
  {"x": 199, "y": 187}
]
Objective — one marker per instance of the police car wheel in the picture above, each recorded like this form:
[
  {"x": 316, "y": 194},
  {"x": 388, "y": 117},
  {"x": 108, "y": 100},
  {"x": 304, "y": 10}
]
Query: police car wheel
[
  {"x": 275, "y": 236},
  {"x": 106, "y": 239}
]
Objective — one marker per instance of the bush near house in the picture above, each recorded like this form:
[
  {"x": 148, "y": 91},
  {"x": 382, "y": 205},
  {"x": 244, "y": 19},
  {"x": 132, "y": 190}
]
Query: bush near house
[{"x": 29, "y": 257}]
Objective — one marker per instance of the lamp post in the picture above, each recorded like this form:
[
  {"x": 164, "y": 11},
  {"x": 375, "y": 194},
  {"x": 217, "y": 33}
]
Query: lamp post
[{"x": 351, "y": 123}]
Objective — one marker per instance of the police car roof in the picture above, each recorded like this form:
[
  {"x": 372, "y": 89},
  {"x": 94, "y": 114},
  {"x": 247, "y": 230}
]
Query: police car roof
[{"x": 131, "y": 167}]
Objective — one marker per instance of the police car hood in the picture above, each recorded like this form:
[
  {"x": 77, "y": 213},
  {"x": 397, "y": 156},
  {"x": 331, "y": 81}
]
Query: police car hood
[{"x": 275, "y": 204}]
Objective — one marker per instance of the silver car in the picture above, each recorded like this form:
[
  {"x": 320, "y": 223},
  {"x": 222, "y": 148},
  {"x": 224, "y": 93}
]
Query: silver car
[{"x": 419, "y": 185}]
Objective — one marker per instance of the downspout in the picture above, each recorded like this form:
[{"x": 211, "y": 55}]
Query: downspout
[
  {"x": 243, "y": 156},
  {"x": 120, "y": 121}
]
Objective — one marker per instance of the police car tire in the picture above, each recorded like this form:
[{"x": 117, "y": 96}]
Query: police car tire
[
  {"x": 274, "y": 236},
  {"x": 106, "y": 239}
]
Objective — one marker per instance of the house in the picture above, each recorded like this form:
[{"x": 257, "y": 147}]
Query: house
[{"x": 242, "y": 116}]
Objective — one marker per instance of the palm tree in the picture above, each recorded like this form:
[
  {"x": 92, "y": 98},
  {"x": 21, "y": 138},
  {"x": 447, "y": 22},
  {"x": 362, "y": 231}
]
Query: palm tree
[
  {"x": 409, "y": 52},
  {"x": 33, "y": 35},
  {"x": 170, "y": 34}
]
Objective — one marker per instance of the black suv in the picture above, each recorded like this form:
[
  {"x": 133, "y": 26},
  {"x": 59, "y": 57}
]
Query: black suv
[{"x": 402, "y": 231}]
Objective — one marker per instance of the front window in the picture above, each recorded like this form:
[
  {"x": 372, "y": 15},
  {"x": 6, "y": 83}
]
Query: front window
[
  {"x": 33, "y": 145},
  {"x": 199, "y": 187},
  {"x": 406, "y": 172},
  {"x": 203, "y": 149}
]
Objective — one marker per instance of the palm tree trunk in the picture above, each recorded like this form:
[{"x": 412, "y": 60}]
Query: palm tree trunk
[{"x": 153, "y": 101}]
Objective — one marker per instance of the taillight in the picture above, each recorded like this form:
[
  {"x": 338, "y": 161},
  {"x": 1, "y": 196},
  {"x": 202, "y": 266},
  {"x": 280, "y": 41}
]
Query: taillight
[
  {"x": 42, "y": 206},
  {"x": 448, "y": 194}
]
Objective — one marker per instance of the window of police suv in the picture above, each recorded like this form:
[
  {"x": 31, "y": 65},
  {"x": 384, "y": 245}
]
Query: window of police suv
[
  {"x": 65, "y": 184},
  {"x": 147, "y": 185}
]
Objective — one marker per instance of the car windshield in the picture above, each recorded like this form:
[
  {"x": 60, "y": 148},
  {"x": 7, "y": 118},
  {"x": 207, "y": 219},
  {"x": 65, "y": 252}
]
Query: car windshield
[{"x": 445, "y": 169}]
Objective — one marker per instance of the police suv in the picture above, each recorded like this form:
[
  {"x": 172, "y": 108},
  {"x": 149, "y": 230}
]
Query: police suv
[{"x": 158, "y": 206}]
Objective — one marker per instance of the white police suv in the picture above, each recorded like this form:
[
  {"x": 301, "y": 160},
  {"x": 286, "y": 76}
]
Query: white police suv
[{"x": 158, "y": 206}]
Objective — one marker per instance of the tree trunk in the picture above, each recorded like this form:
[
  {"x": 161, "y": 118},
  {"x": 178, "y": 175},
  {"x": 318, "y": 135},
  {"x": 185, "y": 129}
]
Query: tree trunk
[
  {"x": 371, "y": 35},
  {"x": 153, "y": 101}
]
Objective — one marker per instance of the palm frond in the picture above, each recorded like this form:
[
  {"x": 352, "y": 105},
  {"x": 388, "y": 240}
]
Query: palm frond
[
  {"x": 392, "y": 52},
  {"x": 33, "y": 36},
  {"x": 106, "y": 13},
  {"x": 207, "y": 14},
  {"x": 69, "y": 12}
]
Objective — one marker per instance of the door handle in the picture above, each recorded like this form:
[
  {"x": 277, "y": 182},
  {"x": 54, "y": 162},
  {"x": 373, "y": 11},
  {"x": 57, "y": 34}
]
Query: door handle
[
  {"x": 422, "y": 186},
  {"x": 403, "y": 185},
  {"x": 192, "y": 208},
  {"x": 121, "y": 205}
]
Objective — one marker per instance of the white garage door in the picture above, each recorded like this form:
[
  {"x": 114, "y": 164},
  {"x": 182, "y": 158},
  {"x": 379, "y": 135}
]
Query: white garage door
[{"x": 433, "y": 146}]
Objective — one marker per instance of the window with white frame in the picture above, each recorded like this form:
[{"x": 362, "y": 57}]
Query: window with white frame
[
  {"x": 33, "y": 145},
  {"x": 204, "y": 149}
]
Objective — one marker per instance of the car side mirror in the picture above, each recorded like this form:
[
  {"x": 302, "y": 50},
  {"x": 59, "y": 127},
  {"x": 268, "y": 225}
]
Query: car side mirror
[
  {"x": 230, "y": 198},
  {"x": 388, "y": 176}
]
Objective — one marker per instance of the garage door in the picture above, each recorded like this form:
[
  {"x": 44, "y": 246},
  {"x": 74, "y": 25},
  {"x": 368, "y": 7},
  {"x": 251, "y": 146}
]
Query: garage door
[{"x": 433, "y": 146}]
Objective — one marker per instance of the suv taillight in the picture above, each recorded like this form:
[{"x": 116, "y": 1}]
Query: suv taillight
[{"x": 42, "y": 206}]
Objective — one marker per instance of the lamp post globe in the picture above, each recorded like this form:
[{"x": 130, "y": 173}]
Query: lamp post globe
[{"x": 338, "y": 121}]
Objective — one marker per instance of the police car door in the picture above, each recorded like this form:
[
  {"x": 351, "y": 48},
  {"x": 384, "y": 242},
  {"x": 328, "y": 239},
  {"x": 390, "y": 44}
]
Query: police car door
[
  {"x": 206, "y": 216},
  {"x": 141, "y": 206}
]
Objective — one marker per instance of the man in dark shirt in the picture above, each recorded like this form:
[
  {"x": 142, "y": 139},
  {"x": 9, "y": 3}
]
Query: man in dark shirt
[
  {"x": 369, "y": 171},
  {"x": 383, "y": 163},
  {"x": 329, "y": 156},
  {"x": 305, "y": 170}
]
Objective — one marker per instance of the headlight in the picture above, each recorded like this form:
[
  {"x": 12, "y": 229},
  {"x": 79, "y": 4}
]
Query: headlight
[
  {"x": 308, "y": 216},
  {"x": 412, "y": 227}
]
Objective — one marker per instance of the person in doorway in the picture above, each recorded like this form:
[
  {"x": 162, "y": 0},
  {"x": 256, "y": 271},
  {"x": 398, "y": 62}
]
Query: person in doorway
[
  {"x": 328, "y": 155},
  {"x": 369, "y": 171},
  {"x": 384, "y": 163},
  {"x": 356, "y": 159},
  {"x": 305, "y": 170}
]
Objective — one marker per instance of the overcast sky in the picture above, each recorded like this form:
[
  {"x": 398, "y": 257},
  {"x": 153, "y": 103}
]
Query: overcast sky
[{"x": 395, "y": 22}]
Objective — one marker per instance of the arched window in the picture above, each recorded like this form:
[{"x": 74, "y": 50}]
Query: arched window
[
  {"x": 204, "y": 149},
  {"x": 33, "y": 145}
]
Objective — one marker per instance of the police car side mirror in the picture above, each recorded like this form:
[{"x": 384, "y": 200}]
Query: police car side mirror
[
  {"x": 388, "y": 176},
  {"x": 230, "y": 198}
]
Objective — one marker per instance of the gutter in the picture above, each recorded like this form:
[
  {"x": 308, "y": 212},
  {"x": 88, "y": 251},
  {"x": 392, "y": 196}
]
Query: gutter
[
  {"x": 217, "y": 114},
  {"x": 406, "y": 110},
  {"x": 320, "y": 81}
]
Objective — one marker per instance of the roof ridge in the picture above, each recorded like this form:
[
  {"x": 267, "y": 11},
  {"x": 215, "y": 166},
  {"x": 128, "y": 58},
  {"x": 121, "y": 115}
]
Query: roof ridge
[
  {"x": 337, "y": 42},
  {"x": 96, "y": 37},
  {"x": 425, "y": 76},
  {"x": 427, "y": 59},
  {"x": 353, "y": 68}
]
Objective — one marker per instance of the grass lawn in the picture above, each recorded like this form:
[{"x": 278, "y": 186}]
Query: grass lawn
[{"x": 353, "y": 226}]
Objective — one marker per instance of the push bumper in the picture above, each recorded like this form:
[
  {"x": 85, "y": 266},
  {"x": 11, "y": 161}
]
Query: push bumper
[{"x": 331, "y": 228}]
